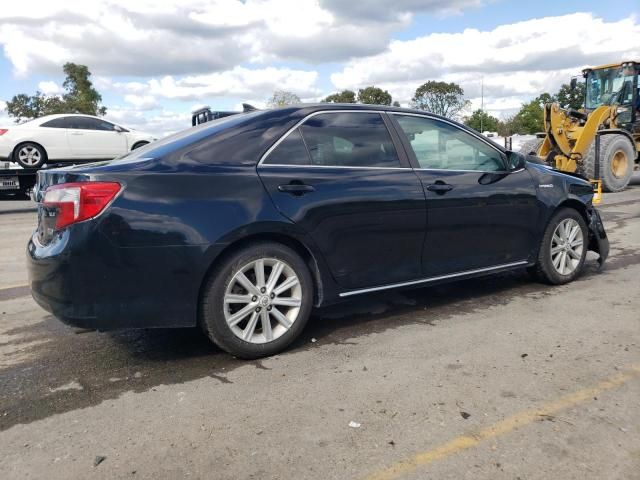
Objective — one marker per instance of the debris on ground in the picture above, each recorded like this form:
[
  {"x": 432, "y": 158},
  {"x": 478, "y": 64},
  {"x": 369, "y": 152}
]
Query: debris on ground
[
  {"x": 313, "y": 340},
  {"x": 524, "y": 355},
  {"x": 465, "y": 415},
  {"x": 98, "y": 460},
  {"x": 353, "y": 424}
]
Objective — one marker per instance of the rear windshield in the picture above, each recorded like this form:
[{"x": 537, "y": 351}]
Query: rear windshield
[{"x": 190, "y": 136}]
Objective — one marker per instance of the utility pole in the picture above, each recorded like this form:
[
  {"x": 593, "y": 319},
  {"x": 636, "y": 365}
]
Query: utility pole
[{"x": 481, "y": 103}]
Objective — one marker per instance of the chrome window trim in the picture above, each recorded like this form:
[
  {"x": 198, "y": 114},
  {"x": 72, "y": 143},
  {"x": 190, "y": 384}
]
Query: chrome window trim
[
  {"x": 280, "y": 165},
  {"x": 288, "y": 132},
  {"x": 432, "y": 279}
]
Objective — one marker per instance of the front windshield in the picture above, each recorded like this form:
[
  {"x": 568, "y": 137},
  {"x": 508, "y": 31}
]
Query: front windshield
[{"x": 609, "y": 85}]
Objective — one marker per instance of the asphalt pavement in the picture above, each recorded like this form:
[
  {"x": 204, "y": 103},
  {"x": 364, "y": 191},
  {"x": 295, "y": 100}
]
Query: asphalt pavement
[{"x": 491, "y": 378}]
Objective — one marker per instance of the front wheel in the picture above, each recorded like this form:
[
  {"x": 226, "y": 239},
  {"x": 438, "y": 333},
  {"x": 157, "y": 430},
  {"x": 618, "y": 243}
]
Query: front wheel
[
  {"x": 257, "y": 301},
  {"x": 30, "y": 155},
  {"x": 563, "y": 248}
]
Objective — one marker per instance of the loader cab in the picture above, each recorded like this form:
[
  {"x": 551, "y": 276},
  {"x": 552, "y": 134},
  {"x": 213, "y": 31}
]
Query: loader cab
[{"x": 614, "y": 85}]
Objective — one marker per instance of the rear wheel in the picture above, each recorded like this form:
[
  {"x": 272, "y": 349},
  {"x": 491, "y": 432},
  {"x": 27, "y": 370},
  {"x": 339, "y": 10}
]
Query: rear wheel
[
  {"x": 563, "y": 248},
  {"x": 258, "y": 301},
  {"x": 617, "y": 158},
  {"x": 30, "y": 155}
]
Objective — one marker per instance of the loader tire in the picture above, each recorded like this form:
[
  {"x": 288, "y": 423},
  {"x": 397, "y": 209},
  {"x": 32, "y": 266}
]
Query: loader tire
[
  {"x": 531, "y": 147},
  {"x": 617, "y": 159}
]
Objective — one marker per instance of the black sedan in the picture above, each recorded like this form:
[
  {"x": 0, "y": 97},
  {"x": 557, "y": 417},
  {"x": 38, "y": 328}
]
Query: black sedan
[{"x": 243, "y": 224}]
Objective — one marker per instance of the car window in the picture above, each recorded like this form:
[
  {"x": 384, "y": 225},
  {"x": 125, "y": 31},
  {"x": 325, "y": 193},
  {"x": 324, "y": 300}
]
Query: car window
[
  {"x": 88, "y": 123},
  {"x": 60, "y": 122},
  {"x": 290, "y": 151},
  {"x": 349, "y": 139},
  {"x": 442, "y": 146}
]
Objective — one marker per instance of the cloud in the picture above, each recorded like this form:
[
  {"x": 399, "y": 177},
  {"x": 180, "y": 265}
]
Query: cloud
[
  {"x": 239, "y": 82},
  {"x": 518, "y": 60},
  {"x": 50, "y": 88},
  {"x": 147, "y": 38},
  {"x": 4, "y": 117},
  {"x": 142, "y": 102},
  {"x": 161, "y": 123},
  {"x": 382, "y": 10}
]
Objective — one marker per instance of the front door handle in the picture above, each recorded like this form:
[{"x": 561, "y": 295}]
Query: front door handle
[
  {"x": 439, "y": 187},
  {"x": 296, "y": 188}
]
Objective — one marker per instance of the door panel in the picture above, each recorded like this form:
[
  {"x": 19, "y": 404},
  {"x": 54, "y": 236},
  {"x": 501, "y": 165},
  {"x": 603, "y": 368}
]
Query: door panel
[
  {"x": 339, "y": 177},
  {"x": 368, "y": 223},
  {"x": 486, "y": 219},
  {"x": 478, "y": 215},
  {"x": 93, "y": 138}
]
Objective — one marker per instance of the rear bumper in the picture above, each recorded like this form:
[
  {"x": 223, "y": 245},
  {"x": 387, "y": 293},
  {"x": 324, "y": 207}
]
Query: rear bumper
[
  {"x": 598, "y": 241},
  {"x": 95, "y": 285}
]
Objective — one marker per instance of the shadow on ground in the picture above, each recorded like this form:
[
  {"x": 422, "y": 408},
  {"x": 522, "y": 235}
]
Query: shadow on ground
[{"x": 60, "y": 370}]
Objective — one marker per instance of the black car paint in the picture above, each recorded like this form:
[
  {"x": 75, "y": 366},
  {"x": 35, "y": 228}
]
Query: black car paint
[{"x": 190, "y": 198}]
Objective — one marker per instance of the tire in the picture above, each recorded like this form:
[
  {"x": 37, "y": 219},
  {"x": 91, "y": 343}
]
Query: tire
[
  {"x": 29, "y": 155},
  {"x": 138, "y": 145},
  {"x": 549, "y": 267},
  {"x": 614, "y": 173},
  {"x": 531, "y": 147},
  {"x": 239, "y": 327}
]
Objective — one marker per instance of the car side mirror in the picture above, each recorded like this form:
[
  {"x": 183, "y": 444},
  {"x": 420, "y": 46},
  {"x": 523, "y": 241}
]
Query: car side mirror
[
  {"x": 573, "y": 83},
  {"x": 515, "y": 161},
  {"x": 118, "y": 128}
]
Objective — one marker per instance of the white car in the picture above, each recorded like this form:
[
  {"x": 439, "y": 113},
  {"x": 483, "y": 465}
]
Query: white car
[{"x": 70, "y": 137}]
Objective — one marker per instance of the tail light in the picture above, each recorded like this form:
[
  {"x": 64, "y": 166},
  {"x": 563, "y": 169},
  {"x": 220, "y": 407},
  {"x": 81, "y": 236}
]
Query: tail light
[
  {"x": 3, "y": 131},
  {"x": 75, "y": 202}
]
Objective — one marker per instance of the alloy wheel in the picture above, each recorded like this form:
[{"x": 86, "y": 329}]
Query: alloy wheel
[
  {"x": 29, "y": 155},
  {"x": 567, "y": 245},
  {"x": 262, "y": 300}
]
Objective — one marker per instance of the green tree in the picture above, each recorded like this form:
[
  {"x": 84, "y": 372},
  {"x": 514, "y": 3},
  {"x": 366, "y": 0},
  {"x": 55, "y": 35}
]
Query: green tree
[
  {"x": 442, "y": 98},
  {"x": 280, "y": 98},
  {"x": 374, "y": 96},
  {"x": 482, "y": 121},
  {"x": 509, "y": 126},
  {"x": 571, "y": 98},
  {"x": 345, "y": 96},
  {"x": 530, "y": 117},
  {"x": 396, "y": 103},
  {"x": 79, "y": 97}
]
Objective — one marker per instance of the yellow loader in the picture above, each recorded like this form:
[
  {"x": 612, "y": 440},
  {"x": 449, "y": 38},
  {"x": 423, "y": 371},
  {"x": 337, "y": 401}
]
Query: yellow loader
[{"x": 602, "y": 140}]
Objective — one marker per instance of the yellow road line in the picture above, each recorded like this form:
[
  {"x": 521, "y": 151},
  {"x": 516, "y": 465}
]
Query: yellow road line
[
  {"x": 9, "y": 287},
  {"x": 502, "y": 427}
]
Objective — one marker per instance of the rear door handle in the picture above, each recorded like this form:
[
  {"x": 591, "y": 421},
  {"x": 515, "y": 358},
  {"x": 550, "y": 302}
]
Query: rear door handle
[
  {"x": 296, "y": 188},
  {"x": 440, "y": 187}
]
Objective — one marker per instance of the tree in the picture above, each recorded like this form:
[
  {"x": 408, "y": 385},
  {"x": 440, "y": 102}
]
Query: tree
[
  {"x": 571, "y": 98},
  {"x": 530, "y": 117},
  {"x": 79, "y": 97},
  {"x": 442, "y": 98},
  {"x": 25, "y": 107},
  {"x": 374, "y": 96},
  {"x": 345, "y": 96},
  {"x": 482, "y": 121},
  {"x": 509, "y": 126},
  {"x": 280, "y": 98},
  {"x": 396, "y": 103}
]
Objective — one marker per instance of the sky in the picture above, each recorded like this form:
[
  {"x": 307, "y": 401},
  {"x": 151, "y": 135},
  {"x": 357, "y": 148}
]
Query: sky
[{"x": 155, "y": 61}]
